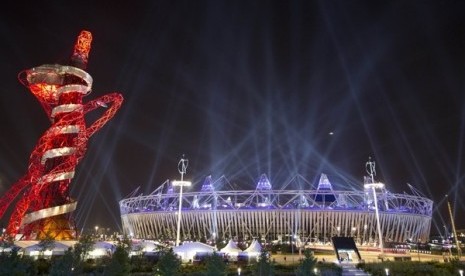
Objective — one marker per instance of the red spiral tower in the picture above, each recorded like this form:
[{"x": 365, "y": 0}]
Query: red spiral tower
[{"x": 43, "y": 204}]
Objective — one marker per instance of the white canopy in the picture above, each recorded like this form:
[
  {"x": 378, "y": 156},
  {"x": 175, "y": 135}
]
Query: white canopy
[
  {"x": 33, "y": 248},
  {"x": 231, "y": 248},
  {"x": 254, "y": 248},
  {"x": 188, "y": 250},
  {"x": 145, "y": 246},
  {"x": 102, "y": 248}
]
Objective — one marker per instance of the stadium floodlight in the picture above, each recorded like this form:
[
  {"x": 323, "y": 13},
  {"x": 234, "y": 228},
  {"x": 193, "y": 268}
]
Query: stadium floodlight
[
  {"x": 182, "y": 168},
  {"x": 181, "y": 183}
]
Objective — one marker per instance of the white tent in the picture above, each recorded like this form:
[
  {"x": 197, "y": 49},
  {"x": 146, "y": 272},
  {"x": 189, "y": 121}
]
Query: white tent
[
  {"x": 254, "y": 249},
  {"x": 7, "y": 249},
  {"x": 102, "y": 248},
  {"x": 231, "y": 251},
  {"x": 33, "y": 248},
  {"x": 145, "y": 247},
  {"x": 188, "y": 250},
  {"x": 231, "y": 248},
  {"x": 69, "y": 243}
]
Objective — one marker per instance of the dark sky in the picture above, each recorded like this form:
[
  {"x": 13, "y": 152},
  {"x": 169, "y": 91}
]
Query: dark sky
[{"x": 249, "y": 87}]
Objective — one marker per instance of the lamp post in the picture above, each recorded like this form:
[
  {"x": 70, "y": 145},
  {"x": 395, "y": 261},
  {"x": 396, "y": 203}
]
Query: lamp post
[
  {"x": 456, "y": 238},
  {"x": 445, "y": 235},
  {"x": 373, "y": 186},
  {"x": 96, "y": 231},
  {"x": 182, "y": 168}
]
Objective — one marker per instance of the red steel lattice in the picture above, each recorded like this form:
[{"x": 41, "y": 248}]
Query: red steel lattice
[{"x": 45, "y": 206}]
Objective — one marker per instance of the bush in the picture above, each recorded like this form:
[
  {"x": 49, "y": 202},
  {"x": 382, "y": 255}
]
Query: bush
[
  {"x": 62, "y": 265},
  {"x": 141, "y": 264},
  {"x": 264, "y": 267},
  {"x": 215, "y": 265},
  {"x": 119, "y": 263},
  {"x": 13, "y": 264},
  {"x": 169, "y": 264},
  {"x": 307, "y": 265},
  {"x": 413, "y": 268}
]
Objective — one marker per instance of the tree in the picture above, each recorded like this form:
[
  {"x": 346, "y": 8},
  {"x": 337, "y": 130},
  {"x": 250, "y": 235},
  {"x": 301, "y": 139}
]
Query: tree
[
  {"x": 307, "y": 266},
  {"x": 215, "y": 265},
  {"x": 81, "y": 252},
  {"x": 13, "y": 264},
  {"x": 119, "y": 264},
  {"x": 63, "y": 265},
  {"x": 169, "y": 264},
  {"x": 83, "y": 247},
  {"x": 264, "y": 267}
]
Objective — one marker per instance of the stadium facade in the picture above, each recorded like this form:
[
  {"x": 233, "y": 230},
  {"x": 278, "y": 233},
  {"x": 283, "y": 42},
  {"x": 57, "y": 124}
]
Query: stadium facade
[{"x": 285, "y": 214}]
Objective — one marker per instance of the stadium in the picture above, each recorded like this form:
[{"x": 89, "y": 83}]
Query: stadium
[{"x": 286, "y": 214}]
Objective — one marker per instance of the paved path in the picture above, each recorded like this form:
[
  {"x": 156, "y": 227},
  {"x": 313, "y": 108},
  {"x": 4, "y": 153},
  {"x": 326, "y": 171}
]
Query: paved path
[{"x": 349, "y": 269}]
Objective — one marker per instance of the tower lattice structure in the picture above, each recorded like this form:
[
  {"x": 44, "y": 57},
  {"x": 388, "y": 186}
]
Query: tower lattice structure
[{"x": 43, "y": 203}]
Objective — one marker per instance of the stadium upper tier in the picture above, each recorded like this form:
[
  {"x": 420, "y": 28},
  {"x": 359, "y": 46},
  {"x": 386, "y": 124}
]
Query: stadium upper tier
[{"x": 273, "y": 214}]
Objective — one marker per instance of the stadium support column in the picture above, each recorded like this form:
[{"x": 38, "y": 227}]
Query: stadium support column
[
  {"x": 214, "y": 229},
  {"x": 182, "y": 168}
]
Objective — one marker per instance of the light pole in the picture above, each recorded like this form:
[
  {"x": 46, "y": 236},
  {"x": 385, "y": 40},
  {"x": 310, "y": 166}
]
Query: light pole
[
  {"x": 96, "y": 231},
  {"x": 182, "y": 168},
  {"x": 445, "y": 235},
  {"x": 373, "y": 186},
  {"x": 456, "y": 238}
]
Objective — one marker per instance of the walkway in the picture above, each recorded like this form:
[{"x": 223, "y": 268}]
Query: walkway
[{"x": 349, "y": 269}]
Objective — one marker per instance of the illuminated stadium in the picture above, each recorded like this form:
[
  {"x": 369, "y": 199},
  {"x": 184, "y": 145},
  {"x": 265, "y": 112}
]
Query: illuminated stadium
[{"x": 284, "y": 214}]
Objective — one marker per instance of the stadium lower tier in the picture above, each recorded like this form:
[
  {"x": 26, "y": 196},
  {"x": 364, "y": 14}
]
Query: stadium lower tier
[{"x": 295, "y": 225}]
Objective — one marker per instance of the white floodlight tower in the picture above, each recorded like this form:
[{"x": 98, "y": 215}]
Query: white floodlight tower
[
  {"x": 182, "y": 168},
  {"x": 370, "y": 167}
]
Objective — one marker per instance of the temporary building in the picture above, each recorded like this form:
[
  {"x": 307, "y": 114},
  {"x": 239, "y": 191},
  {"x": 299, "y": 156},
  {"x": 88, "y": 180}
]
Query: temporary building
[
  {"x": 102, "y": 248},
  {"x": 231, "y": 250},
  {"x": 34, "y": 248},
  {"x": 145, "y": 247},
  {"x": 254, "y": 248},
  {"x": 188, "y": 250}
]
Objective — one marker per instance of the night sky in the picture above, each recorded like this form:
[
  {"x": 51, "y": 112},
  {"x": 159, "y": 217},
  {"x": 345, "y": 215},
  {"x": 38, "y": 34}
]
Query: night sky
[{"x": 249, "y": 87}]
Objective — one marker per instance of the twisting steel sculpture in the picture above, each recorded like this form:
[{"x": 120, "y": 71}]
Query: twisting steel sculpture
[{"x": 43, "y": 204}]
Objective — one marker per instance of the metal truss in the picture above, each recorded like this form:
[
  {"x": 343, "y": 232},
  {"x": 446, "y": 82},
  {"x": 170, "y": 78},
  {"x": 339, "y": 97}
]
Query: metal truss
[{"x": 277, "y": 214}]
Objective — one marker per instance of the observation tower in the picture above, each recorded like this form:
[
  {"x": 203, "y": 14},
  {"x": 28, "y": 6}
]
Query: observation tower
[{"x": 43, "y": 203}]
